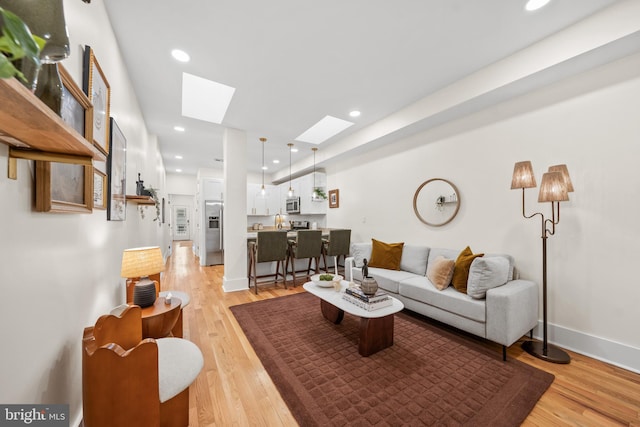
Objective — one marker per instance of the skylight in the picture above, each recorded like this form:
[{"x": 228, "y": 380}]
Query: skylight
[
  {"x": 204, "y": 99},
  {"x": 326, "y": 128}
]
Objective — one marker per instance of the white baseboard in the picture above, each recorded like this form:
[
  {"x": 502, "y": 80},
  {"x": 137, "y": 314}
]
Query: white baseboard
[
  {"x": 614, "y": 353},
  {"x": 234, "y": 285}
]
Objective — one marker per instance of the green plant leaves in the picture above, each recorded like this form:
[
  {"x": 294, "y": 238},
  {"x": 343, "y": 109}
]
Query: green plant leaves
[{"x": 16, "y": 42}]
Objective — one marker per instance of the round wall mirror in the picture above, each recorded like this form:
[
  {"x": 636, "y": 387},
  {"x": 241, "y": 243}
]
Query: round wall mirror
[{"x": 436, "y": 202}]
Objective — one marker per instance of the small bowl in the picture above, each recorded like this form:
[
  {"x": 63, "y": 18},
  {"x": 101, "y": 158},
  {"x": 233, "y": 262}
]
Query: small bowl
[{"x": 325, "y": 283}]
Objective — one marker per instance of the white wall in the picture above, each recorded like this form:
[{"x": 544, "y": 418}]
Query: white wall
[
  {"x": 589, "y": 122},
  {"x": 60, "y": 272},
  {"x": 181, "y": 184}
]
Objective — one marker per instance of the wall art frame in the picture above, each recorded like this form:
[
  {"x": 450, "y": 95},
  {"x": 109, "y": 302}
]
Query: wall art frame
[
  {"x": 100, "y": 183},
  {"x": 117, "y": 174},
  {"x": 77, "y": 110},
  {"x": 334, "y": 198},
  {"x": 97, "y": 89},
  {"x": 63, "y": 187}
]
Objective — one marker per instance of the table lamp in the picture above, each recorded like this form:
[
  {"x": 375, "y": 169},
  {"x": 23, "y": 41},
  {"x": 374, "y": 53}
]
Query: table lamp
[{"x": 141, "y": 263}]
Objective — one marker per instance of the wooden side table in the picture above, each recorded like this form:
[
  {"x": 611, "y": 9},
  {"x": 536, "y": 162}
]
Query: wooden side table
[{"x": 159, "y": 319}]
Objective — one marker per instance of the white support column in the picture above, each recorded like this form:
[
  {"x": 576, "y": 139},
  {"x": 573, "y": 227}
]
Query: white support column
[{"x": 235, "y": 211}]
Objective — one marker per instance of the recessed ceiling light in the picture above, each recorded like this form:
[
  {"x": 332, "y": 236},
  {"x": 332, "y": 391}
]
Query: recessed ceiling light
[
  {"x": 179, "y": 157},
  {"x": 326, "y": 128},
  {"x": 205, "y": 99},
  {"x": 536, "y": 4},
  {"x": 264, "y": 168},
  {"x": 178, "y": 170},
  {"x": 178, "y": 128},
  {"x": 294, "y": 150},
  {"x": 180, "y": 55},
  {"x": 354, "y": 113},
  {"x": 276, "y": 161}
]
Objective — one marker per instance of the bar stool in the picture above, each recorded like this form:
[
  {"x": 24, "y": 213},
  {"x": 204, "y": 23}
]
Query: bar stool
[
  {"x": 269, "y": 246},
  {"x": 308, "y": 244},
  {"x": 336, "y": 246}
]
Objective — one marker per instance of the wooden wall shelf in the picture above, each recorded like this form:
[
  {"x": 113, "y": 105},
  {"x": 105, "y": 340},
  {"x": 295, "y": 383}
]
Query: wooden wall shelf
[
  {"x": 141, "y": 200},
  {"x": 26, "y": 122}
]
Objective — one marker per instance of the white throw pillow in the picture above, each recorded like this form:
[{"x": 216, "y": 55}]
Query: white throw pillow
[
  {"x": 360, "y": 251},
  {"x": 487, "y": 273}
]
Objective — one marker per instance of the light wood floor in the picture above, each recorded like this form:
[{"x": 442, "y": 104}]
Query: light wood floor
[{"x": 233, "y": 389}]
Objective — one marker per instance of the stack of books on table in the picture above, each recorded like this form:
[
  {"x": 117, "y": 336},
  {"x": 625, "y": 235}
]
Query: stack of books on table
[{"x": 368, "y": 302}]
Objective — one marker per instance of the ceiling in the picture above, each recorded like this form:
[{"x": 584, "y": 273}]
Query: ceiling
[{"x": 293, "y": 62}]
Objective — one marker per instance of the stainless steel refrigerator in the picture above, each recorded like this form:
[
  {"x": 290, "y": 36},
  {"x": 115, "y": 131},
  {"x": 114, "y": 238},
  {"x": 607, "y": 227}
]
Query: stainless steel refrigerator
[{"x": 214, "y": 225}]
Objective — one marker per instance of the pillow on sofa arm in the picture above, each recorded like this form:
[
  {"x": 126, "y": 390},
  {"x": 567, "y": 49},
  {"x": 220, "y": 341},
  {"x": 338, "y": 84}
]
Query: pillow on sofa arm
[
  {"x": 487, "y": 273},
  {"x": 360, "y": 251}
]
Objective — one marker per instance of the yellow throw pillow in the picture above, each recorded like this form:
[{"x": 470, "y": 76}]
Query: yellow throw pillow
[
  {"x": 386, "y": 255},
  {"x": 440, "y": 272},
  {"x": 461, "y": 269}
]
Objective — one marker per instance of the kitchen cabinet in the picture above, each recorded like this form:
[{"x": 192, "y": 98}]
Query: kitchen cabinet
[
  {"x": 262, "y": 205},
  {"x": 212, "y": 190},
  {"x": 284, "y": 194}
]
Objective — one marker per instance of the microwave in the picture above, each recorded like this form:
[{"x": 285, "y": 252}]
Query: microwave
[{"x": 293, "y": 205}]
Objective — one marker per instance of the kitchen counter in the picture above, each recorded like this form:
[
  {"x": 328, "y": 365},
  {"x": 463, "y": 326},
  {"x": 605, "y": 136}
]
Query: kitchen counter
[{"x": 253, "y": 234}]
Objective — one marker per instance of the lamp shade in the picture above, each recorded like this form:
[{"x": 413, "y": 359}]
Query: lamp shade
[
  {"x": 565, "y": 175},
  {"x": 553, "y": 188},
  {"x": 523, "y": 176},
  {"x": 141, "y": 262}
]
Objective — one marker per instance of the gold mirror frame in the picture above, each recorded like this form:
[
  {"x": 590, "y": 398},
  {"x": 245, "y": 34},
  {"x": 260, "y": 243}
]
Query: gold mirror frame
[{"x": 441, "y": 202}]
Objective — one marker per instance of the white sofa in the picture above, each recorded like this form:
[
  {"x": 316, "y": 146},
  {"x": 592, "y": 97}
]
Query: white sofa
[{"x": 506, "y": 313}]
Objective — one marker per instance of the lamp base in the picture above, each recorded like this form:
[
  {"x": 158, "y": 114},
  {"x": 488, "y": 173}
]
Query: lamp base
[
  {"x": 144, "y": 293},
  {"x": 553, "y": 354}
]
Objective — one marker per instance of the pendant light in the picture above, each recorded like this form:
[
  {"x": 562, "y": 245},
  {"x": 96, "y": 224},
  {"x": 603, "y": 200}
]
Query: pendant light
[
  {"x": 290, "y": 145},
  {"x": 314, "y": 194},
  {"x": 263, "y": 140}
]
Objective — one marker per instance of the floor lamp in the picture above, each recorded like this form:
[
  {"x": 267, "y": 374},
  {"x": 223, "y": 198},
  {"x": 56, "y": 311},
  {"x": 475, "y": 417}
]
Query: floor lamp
[{"x": 554, "y": 188}]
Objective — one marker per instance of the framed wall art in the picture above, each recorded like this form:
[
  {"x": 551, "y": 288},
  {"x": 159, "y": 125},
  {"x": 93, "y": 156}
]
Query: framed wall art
[
  {"x": 117, "y": 173},
  {"x": 99, "y": 189},
  {"x": 76, "y": 110},
  {"x": 98, "y": 91},
  {"x": 334, "y": 198},
  {"x": 64, "y": 187},
  {"x": 67, "y": 187}
]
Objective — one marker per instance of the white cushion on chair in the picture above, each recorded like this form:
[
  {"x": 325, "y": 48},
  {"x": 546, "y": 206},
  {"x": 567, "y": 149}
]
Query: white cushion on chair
[
  {"x": 179, "y": 363},
  {"x": 183, "y": 296}
]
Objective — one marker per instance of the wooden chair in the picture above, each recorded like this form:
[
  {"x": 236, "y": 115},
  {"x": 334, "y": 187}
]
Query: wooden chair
[
  {"x": 336, "y": 245},
  {"x": 308, "y": 244},
  {"x": 130, "y": 381},
  {"x": 269, "y": 246}
]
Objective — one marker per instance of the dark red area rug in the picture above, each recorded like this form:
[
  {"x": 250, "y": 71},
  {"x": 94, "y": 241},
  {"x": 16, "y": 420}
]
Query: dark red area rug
[{"x": 430, "y": 376}]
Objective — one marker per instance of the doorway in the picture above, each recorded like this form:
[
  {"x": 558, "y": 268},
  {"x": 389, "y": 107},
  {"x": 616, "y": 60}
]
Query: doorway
[{"x": 181, "y": 223}]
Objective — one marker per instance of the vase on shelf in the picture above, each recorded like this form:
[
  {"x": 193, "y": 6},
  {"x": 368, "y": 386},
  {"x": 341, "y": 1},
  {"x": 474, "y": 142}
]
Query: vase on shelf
[{"x": 49, "y": 87}]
